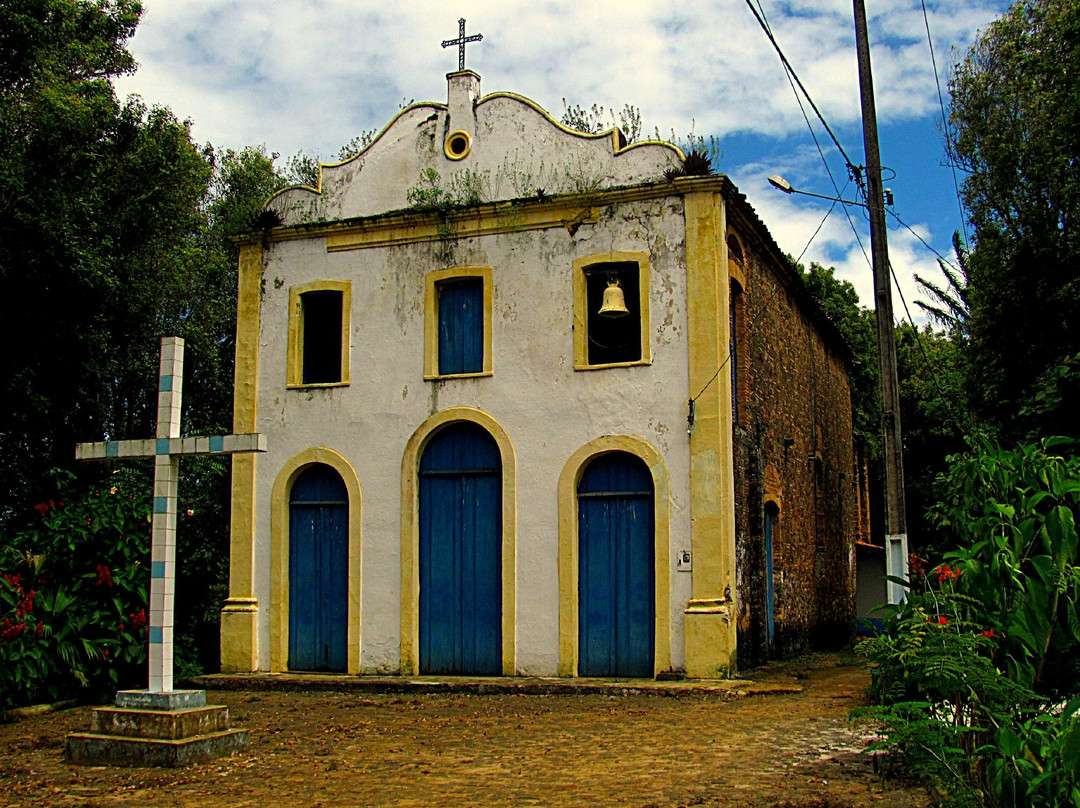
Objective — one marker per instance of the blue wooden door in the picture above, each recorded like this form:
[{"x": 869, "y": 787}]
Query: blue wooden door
[
  {"x": 318, "y": 571},
  {"x": 616, "y": 581},
  {"x": 461, "y": 553},
  {"x": 770, "y": 623}
]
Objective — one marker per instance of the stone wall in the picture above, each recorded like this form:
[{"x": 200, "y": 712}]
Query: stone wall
[{"x": 793, "y": 447}]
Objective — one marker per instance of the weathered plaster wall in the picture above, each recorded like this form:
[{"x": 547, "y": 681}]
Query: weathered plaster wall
[
  {"x": 548, "y": 410},
  {"x": 515, "y": 149},
  {"x": 794, "y": 404}
]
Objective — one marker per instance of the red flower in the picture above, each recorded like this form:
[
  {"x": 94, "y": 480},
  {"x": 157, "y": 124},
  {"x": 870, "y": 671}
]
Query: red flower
[
  {"x": 104, "y": 577},
  {"x": 42, "y": 508},
  {"x": 989, "y": 634},
  {"x": 946, "y": 573},
  {"x": 942, "y": 620}
]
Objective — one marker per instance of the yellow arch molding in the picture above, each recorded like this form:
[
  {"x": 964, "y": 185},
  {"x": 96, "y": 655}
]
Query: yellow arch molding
[
  {"x": 279, "y": 553},
  {"x": 568, "y": 547},
  {"x": 410, "y": 534}
]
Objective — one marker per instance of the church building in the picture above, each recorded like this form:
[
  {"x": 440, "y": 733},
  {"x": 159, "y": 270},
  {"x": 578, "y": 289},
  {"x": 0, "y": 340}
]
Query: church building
[{"x": 536, "y": 402}]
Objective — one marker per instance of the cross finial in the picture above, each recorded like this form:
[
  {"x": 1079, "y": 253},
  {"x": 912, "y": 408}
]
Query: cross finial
[{"x": 460, "y": 42}]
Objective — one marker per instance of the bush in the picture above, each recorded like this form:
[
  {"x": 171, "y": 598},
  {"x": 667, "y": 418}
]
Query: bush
[
  {"x": 973, "y": 674},
  {"x": 73, "y": 595}
]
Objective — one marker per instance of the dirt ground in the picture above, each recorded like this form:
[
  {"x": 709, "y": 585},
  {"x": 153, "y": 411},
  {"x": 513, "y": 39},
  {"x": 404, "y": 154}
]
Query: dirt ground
[{"x": 316, "y": 749}]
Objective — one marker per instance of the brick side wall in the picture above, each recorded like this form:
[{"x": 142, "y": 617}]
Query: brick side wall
[{"x": 793, "y": 447}]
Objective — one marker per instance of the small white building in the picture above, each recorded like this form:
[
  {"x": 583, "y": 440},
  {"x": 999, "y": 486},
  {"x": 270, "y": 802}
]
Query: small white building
[{"x": 470, "y": 469}]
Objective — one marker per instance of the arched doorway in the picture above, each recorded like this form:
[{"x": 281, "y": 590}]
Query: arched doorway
[
  {"x": 318, "y": 571},
  {"x": 616, "y": 576},
  {"x": 460, "y": 552},
  {"x": 772, "y": 514}
]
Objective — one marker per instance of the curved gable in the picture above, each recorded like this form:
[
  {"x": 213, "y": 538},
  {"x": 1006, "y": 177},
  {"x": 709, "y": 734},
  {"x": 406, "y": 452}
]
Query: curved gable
[{"x": 472, "y": 149}]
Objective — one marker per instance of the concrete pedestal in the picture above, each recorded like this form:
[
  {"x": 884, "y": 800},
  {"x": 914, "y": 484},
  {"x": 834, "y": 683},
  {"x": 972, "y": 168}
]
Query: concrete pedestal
[{"x": 170, "y": 729}]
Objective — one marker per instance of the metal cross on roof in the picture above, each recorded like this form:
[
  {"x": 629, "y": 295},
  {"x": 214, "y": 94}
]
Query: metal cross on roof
[
  {"x": 166, "y": 448},
  {"x": 460, "y": 42}
]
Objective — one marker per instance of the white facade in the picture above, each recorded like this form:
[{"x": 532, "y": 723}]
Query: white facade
[{"x": 581, "y": 198}]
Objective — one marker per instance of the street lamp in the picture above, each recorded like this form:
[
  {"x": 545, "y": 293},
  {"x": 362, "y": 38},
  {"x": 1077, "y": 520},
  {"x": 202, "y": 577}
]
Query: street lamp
[{"x": 780, "y": 184}]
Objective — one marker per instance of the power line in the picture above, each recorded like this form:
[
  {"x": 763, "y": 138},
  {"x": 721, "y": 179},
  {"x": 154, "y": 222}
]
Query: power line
[
  {"x": 924, "y": 241},
  {"x": 768, "y": 32},
  {"x": 853, "y": 170},
  {"x": 945, "y": 122}
]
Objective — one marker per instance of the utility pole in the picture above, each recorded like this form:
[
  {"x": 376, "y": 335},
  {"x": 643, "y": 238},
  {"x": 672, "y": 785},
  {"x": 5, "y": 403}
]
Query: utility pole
[{"x": 896, "y": 551}]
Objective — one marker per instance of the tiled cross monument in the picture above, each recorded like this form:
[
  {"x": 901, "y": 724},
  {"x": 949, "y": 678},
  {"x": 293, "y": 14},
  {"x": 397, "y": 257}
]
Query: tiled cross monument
[{"x": 160, "y": 725}]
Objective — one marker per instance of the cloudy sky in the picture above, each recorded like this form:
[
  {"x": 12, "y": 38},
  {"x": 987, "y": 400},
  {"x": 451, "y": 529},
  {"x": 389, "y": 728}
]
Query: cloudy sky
[{"x": 312, "y": 74}]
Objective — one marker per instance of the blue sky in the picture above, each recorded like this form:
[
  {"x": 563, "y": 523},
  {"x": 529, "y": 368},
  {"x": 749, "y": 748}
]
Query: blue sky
[{"x": 311, "y": 74}]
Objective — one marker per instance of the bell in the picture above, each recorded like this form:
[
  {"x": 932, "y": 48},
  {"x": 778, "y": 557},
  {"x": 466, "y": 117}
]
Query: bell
[{"x": 614, "y": 302}]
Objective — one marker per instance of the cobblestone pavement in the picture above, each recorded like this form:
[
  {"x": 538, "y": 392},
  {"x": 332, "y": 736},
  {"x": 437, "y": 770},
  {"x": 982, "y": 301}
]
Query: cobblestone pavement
[{"x": 315, "y": 749}]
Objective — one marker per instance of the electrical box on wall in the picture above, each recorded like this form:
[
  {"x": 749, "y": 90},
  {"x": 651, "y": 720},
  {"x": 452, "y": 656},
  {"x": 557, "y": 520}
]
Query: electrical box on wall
[{"x": 683, "y": 564}]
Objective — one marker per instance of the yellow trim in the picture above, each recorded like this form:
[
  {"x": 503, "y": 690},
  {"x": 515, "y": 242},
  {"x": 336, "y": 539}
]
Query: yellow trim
[
  {"x": 490, "y": 218},
  {"x": 279, "y": 553},
  {"x": 239, "y": 615},
  {"x": 468, "y": 145},
  {"x": 581, "y": 316},
  {"x": 735, "y": 269},
  {"x": 431, "y": 319},
  {"x": 568, "y": 547},
  {"x": 710, "y": 618},
  {"x": 294, "y": 373},
  {"x": 410, "y": 535}
]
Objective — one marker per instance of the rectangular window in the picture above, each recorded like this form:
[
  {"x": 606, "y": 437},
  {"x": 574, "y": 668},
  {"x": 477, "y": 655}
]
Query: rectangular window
[
  {"x": 457, "y": 322},
  {"x": 319, "y": 334},
  {"x": 611, "y": 311},
  {"x": 614, "y": 316},
  {"x": 322, "y": 337},
  {"x": 461, "y": 326}
]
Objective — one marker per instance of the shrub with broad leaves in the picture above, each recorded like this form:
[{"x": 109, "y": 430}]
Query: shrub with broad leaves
[
  {"x": 975, "y": 675},
  {"x": 73, "y": 595}
]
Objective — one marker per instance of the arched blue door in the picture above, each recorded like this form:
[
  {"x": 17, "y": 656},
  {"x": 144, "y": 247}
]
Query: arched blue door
[
  {"x": 771, "y": 513},
  {"x": 616, "y": 581},
  {"x": 461, "y": 553},
  {"x": 318, "y": 571}
]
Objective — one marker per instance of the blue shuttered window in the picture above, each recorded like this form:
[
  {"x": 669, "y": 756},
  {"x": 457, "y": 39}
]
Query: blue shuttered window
[{"x": 461, "y": 326}]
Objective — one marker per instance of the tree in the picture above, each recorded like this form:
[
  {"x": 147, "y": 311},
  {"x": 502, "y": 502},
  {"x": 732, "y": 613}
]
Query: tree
[
  {"x": 1016, "y": 129},
  {"x": 114, "y": 231},
  {"x": 98, "y": 201},
  {"x": 935, "y": 416}
]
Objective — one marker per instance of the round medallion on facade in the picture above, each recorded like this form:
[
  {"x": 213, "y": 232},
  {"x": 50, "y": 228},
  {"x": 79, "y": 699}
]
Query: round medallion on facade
[{"x": 458, "y": 144}]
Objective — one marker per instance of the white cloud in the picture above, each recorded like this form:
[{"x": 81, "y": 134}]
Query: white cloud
[{"x": 312, "y": 74}]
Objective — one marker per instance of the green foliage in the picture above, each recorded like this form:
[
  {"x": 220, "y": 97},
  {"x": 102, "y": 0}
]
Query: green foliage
[
  {"x": 596, "y": 120},
  {"x": 1016, "y": 130},
  {"x": 73, "y": 596},
  {"x": 98, "y": 201},
  {"x": 935, "y": 414},
  {"x": 1013, "y": 514},
  {"x": 976, "y": 675},
  {"x": 115, "y": 230}
]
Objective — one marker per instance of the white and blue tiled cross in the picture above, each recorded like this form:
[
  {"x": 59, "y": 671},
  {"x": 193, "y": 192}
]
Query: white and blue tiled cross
[{"x": 166, "y": 448}]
